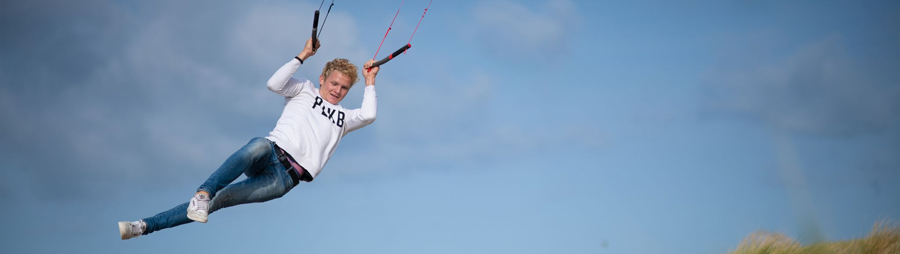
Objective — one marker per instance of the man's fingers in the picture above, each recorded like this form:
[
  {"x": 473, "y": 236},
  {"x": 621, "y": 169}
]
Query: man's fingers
[{"x": 368, "y": 67}]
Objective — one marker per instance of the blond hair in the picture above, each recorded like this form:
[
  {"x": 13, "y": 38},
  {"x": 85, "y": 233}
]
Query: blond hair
[{"x": 344, "y": 67}]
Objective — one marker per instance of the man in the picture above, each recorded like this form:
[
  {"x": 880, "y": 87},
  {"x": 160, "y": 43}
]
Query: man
[{"x": 305, "y": 136}]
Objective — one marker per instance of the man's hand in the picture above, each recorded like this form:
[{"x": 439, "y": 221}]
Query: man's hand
[
  {"x": 370, "y": 73},
  {"x": 309, "y": 49}
]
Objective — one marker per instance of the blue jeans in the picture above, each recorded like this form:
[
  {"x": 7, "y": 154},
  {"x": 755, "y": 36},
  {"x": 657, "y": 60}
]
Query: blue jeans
[{"x": 266, "y": 180}]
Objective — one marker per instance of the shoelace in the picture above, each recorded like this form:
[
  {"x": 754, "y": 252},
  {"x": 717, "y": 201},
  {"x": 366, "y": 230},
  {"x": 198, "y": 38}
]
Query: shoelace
[
  {"x": 137, "y": 228},
  {"x": 202, "y": 202}
]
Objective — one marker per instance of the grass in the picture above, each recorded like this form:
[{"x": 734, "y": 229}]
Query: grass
[{"x": 883, "y": 239}]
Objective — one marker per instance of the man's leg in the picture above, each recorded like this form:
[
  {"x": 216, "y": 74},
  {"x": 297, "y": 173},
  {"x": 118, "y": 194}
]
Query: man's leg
[
  {"x": 171, "y": 218},
  {"x": 250, "y": 159},
  {"x": 271, "y": 183}
]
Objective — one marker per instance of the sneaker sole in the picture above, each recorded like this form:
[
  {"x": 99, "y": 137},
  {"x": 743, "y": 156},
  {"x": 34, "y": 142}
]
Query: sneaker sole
[
  {"x": 197, "y": 218},
  {"x": 123, "y": 227}
]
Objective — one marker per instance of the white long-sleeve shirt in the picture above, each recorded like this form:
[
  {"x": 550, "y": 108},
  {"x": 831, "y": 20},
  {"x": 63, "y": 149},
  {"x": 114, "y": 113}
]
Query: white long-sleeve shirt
[{"x": 310, "y": 127}]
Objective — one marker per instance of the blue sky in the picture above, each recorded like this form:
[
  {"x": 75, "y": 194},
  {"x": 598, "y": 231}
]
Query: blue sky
[{"x": 544, "y": 126}]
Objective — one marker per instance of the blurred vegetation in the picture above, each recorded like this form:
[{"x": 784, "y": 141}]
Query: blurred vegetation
[{"x": 883, "y": 239}]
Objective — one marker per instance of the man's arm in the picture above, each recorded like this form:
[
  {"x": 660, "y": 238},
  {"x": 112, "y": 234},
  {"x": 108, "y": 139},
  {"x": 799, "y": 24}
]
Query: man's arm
[
  {"x": 365, "y": 115},
  {"x": 281, "y": 82}
]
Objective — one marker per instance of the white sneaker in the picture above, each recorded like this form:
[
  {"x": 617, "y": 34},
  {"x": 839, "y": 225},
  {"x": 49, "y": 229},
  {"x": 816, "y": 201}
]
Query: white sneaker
[
  {"x": 198, "y": 209},
  {"x": 131, "y": 229}
]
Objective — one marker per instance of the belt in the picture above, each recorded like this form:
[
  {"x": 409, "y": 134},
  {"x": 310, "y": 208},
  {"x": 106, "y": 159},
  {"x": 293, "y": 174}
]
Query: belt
[{"x": 286, "y": 160}]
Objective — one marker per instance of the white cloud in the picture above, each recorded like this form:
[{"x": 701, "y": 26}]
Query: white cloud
[
  {"x": 510, "y": 29},
  {"x": 273, "y": 33},
  {"x": 818, "y": 89}
]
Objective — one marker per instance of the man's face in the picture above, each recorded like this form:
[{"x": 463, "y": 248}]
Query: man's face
[{"x": 335, "y": 87}]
